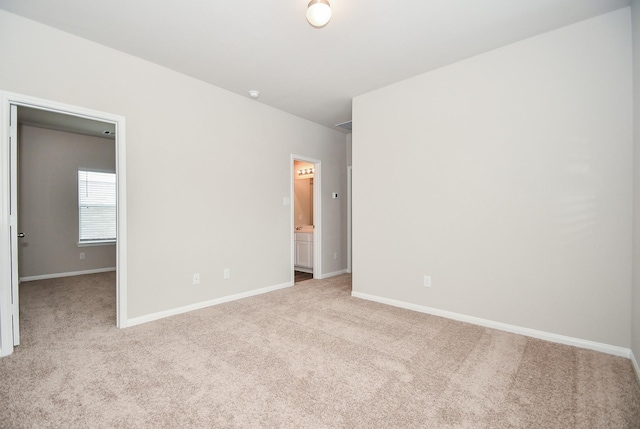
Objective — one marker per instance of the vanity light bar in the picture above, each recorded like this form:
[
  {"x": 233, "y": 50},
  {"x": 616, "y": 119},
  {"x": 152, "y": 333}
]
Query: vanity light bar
[{"x": 305, "y": 171}]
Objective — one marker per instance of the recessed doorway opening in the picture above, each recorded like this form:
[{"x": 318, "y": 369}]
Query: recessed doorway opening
[
  {"x": 305, "y": 218},
  {"x": 33, "y": 108}
]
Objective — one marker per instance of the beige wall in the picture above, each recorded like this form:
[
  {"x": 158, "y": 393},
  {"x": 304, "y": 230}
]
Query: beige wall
[
  {"x": 48, "y": 201},
  {"x": 635, "y": 302},
  {"x": 189, "y": 209},
  {"x": 507, "y": 178}
]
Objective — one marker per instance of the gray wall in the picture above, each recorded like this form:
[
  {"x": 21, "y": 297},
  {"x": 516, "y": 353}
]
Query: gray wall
[
  {"x": 507, "y": 178},
  {"x": 192, "y": 207},
  {"x": 48, "y": 201},
  {"x": 635, "y": 302}
]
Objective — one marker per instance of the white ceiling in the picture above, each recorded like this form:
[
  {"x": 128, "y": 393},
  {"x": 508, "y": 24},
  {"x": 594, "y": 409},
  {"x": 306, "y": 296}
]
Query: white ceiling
[
  {"x": 63, "y": 122},
  {"x": 267, "y": 45}
]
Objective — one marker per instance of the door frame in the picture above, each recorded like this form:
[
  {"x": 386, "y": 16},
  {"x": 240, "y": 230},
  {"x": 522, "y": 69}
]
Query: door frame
[
  {"x": 6, "y": 100},
  {"x": 317, "y": 215},
  {"x": 349, "y": 217},
  {"x": 13, "y": 223}
]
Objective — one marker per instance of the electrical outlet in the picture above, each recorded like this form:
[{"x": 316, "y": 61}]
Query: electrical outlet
[
  {"x": 335, "y": 256},
  {"x": 427, "y": 281},
  {"x": 227, "y": 273},
  {"x": 196, "y": 279},
  {"x": 81, "y": 255}
]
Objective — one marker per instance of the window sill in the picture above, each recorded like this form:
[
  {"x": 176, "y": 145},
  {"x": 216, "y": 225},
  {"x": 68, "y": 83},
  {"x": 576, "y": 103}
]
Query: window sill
[{"x": 97, "y": 243}]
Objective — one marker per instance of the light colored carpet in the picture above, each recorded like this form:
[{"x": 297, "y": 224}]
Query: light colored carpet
[{"x": 309, "y": 356}]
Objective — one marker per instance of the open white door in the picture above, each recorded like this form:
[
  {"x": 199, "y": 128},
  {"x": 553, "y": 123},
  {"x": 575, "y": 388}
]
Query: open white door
[{"x": 13, "y": 216}]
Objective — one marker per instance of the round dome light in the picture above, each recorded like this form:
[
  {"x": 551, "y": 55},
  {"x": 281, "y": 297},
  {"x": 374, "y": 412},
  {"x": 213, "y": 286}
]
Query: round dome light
[{"x": 318, "y": 13}]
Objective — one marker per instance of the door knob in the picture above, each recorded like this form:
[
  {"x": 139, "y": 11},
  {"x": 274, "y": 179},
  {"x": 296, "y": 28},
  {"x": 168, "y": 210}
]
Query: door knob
[{"x": 21, "y": 235}]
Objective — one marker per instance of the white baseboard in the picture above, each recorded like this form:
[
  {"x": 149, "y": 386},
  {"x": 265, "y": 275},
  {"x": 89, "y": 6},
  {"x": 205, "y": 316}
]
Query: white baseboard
[
  {"x": 200, "y": 305},
  {"x": 333, "y": 274},
  {"x": 69, "y": 274},
  {"x": 635, "y": 365},
  {"x": 542, "y": 335}
]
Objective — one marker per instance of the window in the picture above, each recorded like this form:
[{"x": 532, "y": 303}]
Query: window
[{"x": 97, "y": 207}]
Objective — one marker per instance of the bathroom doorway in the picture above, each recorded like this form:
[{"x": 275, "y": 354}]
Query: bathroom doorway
[{"x": 305, "y": 216}]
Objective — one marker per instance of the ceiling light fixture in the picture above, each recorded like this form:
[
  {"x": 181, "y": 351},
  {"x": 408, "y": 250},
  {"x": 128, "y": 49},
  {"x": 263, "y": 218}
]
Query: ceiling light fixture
[
  {"x": 254, "y": 94},
  {"x": 318, "y": 13}
]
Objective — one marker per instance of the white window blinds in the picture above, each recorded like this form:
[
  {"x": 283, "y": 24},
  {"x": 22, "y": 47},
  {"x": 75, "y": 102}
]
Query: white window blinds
[{"x": 97, "y": 206}]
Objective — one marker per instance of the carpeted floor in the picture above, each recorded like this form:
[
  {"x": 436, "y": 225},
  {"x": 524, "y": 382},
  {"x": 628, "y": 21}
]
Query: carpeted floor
[{"x": 309, "y": 356}]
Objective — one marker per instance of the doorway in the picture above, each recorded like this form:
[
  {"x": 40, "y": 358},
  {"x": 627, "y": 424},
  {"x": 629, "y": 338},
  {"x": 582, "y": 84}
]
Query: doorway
[
  {"x": 306, "y": 223},
  {"x": 66, "y": 195},
  {"x": 9, "y": 213}
]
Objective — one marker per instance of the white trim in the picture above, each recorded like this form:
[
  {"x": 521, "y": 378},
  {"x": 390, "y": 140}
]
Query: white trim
[
  {"x": 6, "y": 310},
  {"x": 121, "y": 241},
  {"x": 349, "y": 213},
  {"x": 317, "y": 219},
  {"x": 97, "y": 243},
  {"x": 6, "y": 100},
  {"x": 68, "y": 274},
  {"x": 200, "y": 305},
  {"x": 555, "y": 338},
  {"x": 333, "y": 274},
  {"x": 634, "y": 362}
]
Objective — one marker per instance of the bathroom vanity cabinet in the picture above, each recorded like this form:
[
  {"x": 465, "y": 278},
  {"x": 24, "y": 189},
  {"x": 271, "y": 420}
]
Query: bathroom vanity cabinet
[{"x": 304, "y": 251}]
